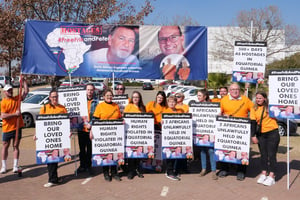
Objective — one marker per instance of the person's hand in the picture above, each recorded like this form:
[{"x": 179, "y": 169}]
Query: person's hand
[
  {"x": 18, "y": 113},
  {"x": 34, "y": 138},
  {"x": 91, "y": 135},
  {"x": 71, "y": 134},
  {"x": 254, "y": 140},
  {"x": 88, "y": 126}
]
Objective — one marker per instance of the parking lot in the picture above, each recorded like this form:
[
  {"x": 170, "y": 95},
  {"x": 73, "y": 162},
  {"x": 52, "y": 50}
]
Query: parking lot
[{"x": 154, "y": 185}]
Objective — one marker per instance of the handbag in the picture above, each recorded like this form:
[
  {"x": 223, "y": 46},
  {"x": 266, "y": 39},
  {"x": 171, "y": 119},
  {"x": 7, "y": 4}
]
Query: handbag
[{"x": 258, "y": 127}]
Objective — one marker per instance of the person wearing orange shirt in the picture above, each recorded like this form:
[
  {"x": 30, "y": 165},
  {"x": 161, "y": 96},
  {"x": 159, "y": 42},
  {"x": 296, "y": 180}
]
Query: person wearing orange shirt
[
  {"x": 108, "y": 110},
  {"x": 85, "y": 143},
  {"x": 184, "y": 71},
  {"x": 180, "y": 105},
  {"x": 136, "y": 105},
  {"x": 9, "y": 115},
  {"x": 53, "y": 107},
  {"x": 169, "y": 70},
  {"x": 268, "y": 138},
  {"x": 172, "y": 168},
  {"x": 235, "y": 105},
  {"x": 223, "y": 91},
  {"x": 157, "y": 107}
]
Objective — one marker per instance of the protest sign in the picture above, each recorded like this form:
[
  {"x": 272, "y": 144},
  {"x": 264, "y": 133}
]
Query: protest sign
[
  {"x": 204, "y": 122},
  {"x": 108, "y": 142},
  {"x": 232, "y": 140},
  {"x": 139, "y": 135},
  {"x": 177, "y": 135},
  {"x": 53, "y": 138}
]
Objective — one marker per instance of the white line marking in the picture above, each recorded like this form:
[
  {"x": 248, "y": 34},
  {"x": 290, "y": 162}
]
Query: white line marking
[
  {"x": 164, "y": 191},
  {"x": 25, "y": 170},
  {"x": 86, "y": 180}
]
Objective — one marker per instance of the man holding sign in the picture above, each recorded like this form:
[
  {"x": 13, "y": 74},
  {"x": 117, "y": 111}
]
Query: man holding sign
[{"x": 235, "y": 105}]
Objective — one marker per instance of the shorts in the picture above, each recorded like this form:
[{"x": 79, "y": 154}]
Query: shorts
[{"x": 11, "y": 135}]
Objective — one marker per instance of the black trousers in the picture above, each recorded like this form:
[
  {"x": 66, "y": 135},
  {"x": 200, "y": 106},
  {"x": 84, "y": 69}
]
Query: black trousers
[
  {"x": 52, "y": 172},
  {"x": 113, "y": 170},
  {"x": 85, "y": 147},
  {"x": 133, "y": 165},
  {"x": 171, "y": 168},
  {"x": 240, "y": 168},
  {"x": 268, "y": 146}
]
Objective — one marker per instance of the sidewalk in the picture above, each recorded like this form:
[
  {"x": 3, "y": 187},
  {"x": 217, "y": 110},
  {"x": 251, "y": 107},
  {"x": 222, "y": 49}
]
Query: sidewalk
[{"x": 153, "y": 186}]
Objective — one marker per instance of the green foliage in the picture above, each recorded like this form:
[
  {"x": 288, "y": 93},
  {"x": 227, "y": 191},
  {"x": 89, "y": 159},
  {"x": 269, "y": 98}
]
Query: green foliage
[
  {"x": 216, "y": 80},
  {"x": 292, "y": 62}
]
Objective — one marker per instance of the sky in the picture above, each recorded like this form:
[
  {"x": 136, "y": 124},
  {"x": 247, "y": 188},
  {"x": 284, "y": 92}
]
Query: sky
[{"x": 220, "y": 12}]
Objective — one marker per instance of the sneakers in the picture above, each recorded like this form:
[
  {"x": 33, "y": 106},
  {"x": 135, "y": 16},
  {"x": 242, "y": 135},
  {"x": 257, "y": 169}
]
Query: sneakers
[
  {"x": 269, "y": 181},
  {"x": 139, "y": 174},
  {"x": 158, "y": 168},
  {"x": 117, "y": 178},
  {"x": 173, "y": 177},
  {"x": 222, "y": 173},
  {"x": 49, "y": 184},
  {"x": 240, "y": 176},
  {"x": 261, "y": 179},
  {"x": 214, "y": 175},
  {"x": 15, "y": 170},
  {"x": 203, "y": 172},
  {"x": 3, "y": 170},
  {"x": 107, "y": 177}
]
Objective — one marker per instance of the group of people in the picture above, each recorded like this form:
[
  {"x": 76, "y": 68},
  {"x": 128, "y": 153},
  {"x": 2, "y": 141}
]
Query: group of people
[{"x": 232, "y": 104}]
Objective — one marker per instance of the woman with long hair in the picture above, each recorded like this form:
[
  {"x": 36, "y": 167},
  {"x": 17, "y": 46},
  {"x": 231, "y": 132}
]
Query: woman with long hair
[{"x": 267, "y": 138}]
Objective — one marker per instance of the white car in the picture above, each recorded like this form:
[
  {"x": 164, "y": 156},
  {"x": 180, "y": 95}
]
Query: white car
[
  {"x": 32, "y": 104},
  {"x": 99, "y": 86},
  {"x": 194, "y": 98}
]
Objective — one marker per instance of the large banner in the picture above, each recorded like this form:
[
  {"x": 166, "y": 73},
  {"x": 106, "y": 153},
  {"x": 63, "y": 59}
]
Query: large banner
[
  {"x": 75, "y": 101},
  {"x": 249, "y": 62},
  {"x": 139, "y": 132},
  {"x": 232, "y": 140},
  {"x": 284, "y": 92},
  {"x": 177, "y": 136},
  {"x": 204, "y": 122},
  {"x": 53, "y": 138},
  {"x": 108, "y": 142},
  {"x": 145, "y": 52}
]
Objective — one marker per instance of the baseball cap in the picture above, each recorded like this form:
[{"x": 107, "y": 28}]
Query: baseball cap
[{"x": 7, "y": 87}]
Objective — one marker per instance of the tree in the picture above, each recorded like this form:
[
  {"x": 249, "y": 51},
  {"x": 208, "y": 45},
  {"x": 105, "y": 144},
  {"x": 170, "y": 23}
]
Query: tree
[
  {"x": 217, "y": 80},
  {"x": 13, "y": 14},
  {"x": 268, "y": 26}
]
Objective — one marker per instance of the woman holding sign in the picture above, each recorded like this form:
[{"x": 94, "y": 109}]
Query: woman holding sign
[
  {"x": 52, "y": 108},
  {"x": 136, "y": 105},
  {"x": 203, "y": 96},
  {"x": 157, "y": 107},
  {"x": 266, "y": 136},
  {"x": 108, "y": 110}
]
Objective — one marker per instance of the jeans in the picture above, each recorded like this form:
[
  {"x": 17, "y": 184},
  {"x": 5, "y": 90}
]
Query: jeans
[
  {"x": 268, "y": 146},
  {"x": 210, "y": 152}
]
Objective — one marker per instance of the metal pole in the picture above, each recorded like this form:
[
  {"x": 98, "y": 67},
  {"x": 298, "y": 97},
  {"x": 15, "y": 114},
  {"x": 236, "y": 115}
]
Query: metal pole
[{"x": 288, "y": 154}]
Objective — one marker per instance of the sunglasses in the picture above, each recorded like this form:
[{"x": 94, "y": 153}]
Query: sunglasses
[
  {"x": 119, "y": 88},
  {"x": 178, "y": 96}
]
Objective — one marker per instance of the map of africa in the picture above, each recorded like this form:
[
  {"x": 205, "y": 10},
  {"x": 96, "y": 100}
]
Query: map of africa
[{"x": 71, "y": 45}]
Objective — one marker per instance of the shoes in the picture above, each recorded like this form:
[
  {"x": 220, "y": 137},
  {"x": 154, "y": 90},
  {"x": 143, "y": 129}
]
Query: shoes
[
  {"x": 47, "y": 185},
  {"x": 158, "y": 168},
  {"x": 91, "y": 172},
  {"x": 130, "y": 176},
  {"x": 107, "y": 177},
  {"x": 3, "y": 170},
  {"x": 240, "y": 176},
  {"x": 203, "y": 172},
  {"x": 139, "y": 174},
  {"x": 117, "y": 178},
  {"x": 222, "y": 174},
  {"x": 269, "y": 181},
  {"x": 261, "y": 179},
  {"x": 214, "y": 175},
  {"x": 80, "y": 170},
  {"x": 15, "y": 169},
  {"x": 173, "y": 177}
]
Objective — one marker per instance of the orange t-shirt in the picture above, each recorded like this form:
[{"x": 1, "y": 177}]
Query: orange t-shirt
[
  {"x": 169, "y": 71},
  {"x": 48, "y": 109},
  {"x": 156, "y": 109},
  {"x": 10, "y": 106},
  {"x": 184, "y": 107},
  {"x": 131, "y": 108},
  {"x": 236, "y": 107},
  {"x": 215, "y": 100},
  {"x": 169, "y": 110},
  {"x": 107, "y": 111},
  {"x": 184, "y": 73},
  {"x": 268, "y": 123}
]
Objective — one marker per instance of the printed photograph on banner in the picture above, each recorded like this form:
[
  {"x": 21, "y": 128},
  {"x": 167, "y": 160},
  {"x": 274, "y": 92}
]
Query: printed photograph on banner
[
  {"x": 127, "y": 51},
  {"x": 107, "y": 159},
  {"x": 276, "y": 111},
  {"x": 232, "y": 140},
  {"x": 204, "y": 140},
  {"x": 177, "y": 152},
  {"x": 53, "y": 156},
  {"x": 248, "y": 77}
]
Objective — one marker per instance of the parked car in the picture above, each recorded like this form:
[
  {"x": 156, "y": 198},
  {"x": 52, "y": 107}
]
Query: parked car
[
  {"x": 15, "y": 82},
  {"x": 282, "y": 127},
  {"x": 31, "y": 106},
  {"x": 147, "y": 86},
  {"x": 99, "y": 86},
  {"x": 4, "y": 80}
]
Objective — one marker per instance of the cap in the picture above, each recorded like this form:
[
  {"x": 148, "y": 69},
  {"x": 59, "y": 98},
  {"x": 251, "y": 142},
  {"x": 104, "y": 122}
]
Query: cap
[{"x": 7, "y": 87}]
